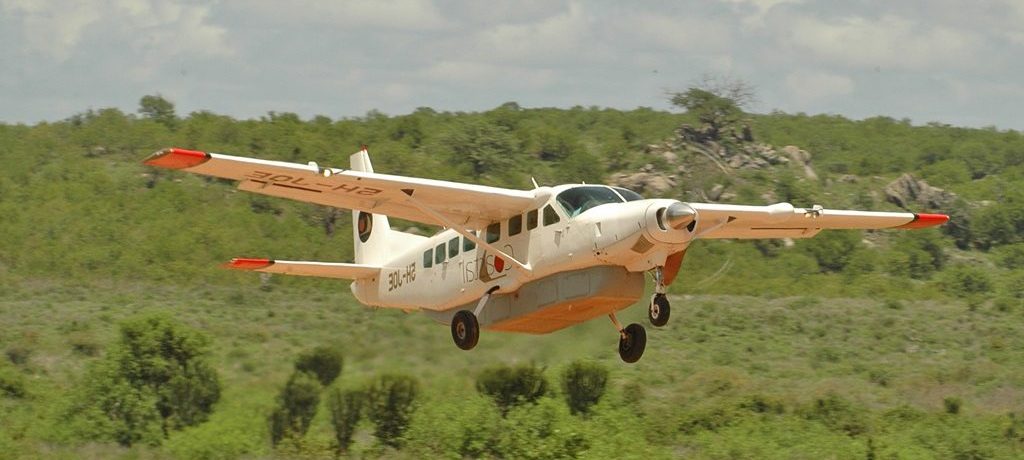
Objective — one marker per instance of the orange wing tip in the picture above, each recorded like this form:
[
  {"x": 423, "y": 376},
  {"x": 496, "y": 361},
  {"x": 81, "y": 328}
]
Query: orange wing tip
[
  {"x": 926, "y": 220},
  {"x": 174, "y": 158},
  {"x": 241, "y": 263}
]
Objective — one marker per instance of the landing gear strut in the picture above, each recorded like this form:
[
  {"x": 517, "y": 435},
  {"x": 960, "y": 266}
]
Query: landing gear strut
[
  {"x": 632, "y": 340},
  {"x": 659, "y": 310}
]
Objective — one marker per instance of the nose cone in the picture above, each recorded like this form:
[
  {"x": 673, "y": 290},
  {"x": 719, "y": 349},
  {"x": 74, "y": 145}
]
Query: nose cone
[{"x": 679, "y": 215}]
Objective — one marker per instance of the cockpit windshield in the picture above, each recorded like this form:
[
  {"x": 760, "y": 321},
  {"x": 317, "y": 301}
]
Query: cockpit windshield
[
  {"x": 578, "y": 199},
  {"x": 628, "y": 194}
]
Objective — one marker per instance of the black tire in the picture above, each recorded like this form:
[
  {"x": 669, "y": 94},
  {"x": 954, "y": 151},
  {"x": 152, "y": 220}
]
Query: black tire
[
  {"x": 659, "y": 310},
  {"x": 631, "y": 347},
  {"x": 465, "y": 329}
]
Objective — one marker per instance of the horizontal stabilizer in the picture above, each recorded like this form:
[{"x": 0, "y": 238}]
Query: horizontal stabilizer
[{"x": 301, "y": 268}]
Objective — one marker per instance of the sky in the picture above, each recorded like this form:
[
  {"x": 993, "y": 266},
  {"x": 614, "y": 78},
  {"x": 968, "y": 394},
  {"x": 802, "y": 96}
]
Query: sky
[{"x": 954, "y": 62}]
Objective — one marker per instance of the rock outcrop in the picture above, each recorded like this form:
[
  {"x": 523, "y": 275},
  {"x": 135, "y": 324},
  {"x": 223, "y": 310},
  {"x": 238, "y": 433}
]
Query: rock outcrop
[{"x": 910, "y": 193}]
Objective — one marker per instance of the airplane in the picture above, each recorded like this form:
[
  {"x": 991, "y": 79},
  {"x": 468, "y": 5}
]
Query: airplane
[{"x": 529, "y": 261}]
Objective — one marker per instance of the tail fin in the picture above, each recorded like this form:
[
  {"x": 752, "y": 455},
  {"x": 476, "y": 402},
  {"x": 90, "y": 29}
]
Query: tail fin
[
  {"x": 369, "y": 231},
  {"x": 375, "y": 242}
]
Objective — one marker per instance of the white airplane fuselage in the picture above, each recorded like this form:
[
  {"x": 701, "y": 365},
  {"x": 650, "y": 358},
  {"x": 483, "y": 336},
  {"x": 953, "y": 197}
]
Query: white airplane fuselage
[{"x": 446, "y": 271}]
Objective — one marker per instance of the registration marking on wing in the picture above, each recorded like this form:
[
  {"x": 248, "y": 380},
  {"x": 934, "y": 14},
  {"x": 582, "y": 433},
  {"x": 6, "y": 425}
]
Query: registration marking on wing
[{"x": 301, "y": 183}]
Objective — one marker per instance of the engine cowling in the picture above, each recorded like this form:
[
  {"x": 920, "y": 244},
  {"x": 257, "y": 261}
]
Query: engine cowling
[{"x": 670, "y": 221}]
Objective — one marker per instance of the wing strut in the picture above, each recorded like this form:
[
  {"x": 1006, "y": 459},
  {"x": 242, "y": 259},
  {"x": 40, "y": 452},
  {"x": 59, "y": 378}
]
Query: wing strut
[{"x": 524, "y": 269}]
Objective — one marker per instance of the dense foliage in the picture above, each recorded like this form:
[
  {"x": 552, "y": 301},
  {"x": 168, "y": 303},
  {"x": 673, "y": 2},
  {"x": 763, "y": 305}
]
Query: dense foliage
[
  {"x": 849, "y": 345},
  {"x": 154, "y": 380}
]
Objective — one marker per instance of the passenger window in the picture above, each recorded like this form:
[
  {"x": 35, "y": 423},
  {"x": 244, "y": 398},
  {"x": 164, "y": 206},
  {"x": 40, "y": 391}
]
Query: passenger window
[
  {"x": 439, "y": 254},
  {"x": 550, "y": 216},
  {"x": 428, "y": 258},
  {"x": 453, "y": 247},
  {"x": 515, "y": 225},
  {"x": 531, "y": 220},
  {"x": 467, "y": 244},
  {"x": 493, "y": 232}
]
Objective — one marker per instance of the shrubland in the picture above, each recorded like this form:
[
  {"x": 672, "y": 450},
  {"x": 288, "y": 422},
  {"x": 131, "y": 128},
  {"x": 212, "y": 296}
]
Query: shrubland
[{"x": 122, "y": 337}]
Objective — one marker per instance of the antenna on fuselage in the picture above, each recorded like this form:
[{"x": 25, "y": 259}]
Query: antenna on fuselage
[{"x": 534, "y": 182}]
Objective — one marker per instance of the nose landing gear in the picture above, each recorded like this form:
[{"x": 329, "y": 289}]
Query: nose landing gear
[{"x": 659, "y": 310}]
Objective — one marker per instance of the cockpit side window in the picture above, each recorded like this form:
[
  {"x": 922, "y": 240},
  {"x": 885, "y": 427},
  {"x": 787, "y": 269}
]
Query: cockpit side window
[
  {"x": 550, "y": 215},
  {"x": 576, "y": 200}
]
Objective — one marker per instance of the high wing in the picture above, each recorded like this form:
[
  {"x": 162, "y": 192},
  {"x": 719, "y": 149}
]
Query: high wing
[
  {"x": 472, "y": 206},
  {"x": 300, "y": 268},
  {"x": 782, "y": 220}
]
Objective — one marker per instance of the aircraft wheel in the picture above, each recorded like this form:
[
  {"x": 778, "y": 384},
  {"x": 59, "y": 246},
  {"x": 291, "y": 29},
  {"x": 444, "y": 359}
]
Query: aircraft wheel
[
  {"x": 659, "y": 310},
  {"x": 632, "y": 343},
  {"x": 465, "y": 329}
]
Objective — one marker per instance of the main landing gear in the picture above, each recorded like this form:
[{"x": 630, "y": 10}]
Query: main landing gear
[
  {"x": 465, "y": 327},
  {"x": 632, "y": 340},
  {"x": 465, "y": 330},
  {"x": 659, "y": 310}
]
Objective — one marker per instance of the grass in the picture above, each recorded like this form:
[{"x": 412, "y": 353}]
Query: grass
[{"x": 877, "y": 354}]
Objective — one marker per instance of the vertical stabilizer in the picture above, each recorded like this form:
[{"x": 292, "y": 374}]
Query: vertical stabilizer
[{"x": 369, "y": 231}]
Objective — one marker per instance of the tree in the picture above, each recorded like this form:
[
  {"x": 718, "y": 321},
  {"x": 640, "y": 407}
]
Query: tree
[
  {"x": 296, "y": 406},
  {"x": 346, "y": 406},
  {"x": 323, "y": 362},
  {"x": 488, "y": 147},
  {"x": 832, "y": 249},
  {"x": 156, "y": 108},
  {"x": 512, "y": 386},
  {"x": 155, "y": 379},
  {"x": 584, "y": 383},
  {"x": 717, "y": 101},
  {"x": 389, "y": 404}
]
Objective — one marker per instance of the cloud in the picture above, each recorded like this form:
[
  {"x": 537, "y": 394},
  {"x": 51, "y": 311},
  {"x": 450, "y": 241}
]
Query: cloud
[
  {"x": 809, "y": 87},
  {"x": 406, "y": 15},
  {"x": 49, "y": 28},
  {"x": 59, "y": 29},
  {"x": 890, "y": 42}
]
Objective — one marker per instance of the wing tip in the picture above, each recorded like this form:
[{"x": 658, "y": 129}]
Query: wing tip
[
  {"x": 925, "y": 220},
  {"x": 244, "y": 263},
  {"x": 175, "y": 158}
]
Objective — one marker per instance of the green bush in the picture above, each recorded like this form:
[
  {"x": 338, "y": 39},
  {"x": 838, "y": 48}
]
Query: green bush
[
  {"x": 832, "y": 249},
  {"x": 471, "y": 428},
  {"x": 390, "y": 404},
  {"x": 838, "y": 414},
  {"x": 583, "y": 383},
  {"x": 952, "y": 405},
  {"x": 155, "y": 379},
  {"x": 966, "y": 281},
  {"x": 323, "y": 362},
  {"x": 542, "y": 430},
  {"x": 346, "y": 407},
  {"x": 296, "y": 406},
  {"x": 18, "y": 354},
  {"x": 512, "y": 386},
  {"x": 12, "y": 383}
]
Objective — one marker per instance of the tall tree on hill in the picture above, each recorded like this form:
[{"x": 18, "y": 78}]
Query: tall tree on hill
[
  {"x": 158, "y": 109},
  {"x": 717, "y": 102}
]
